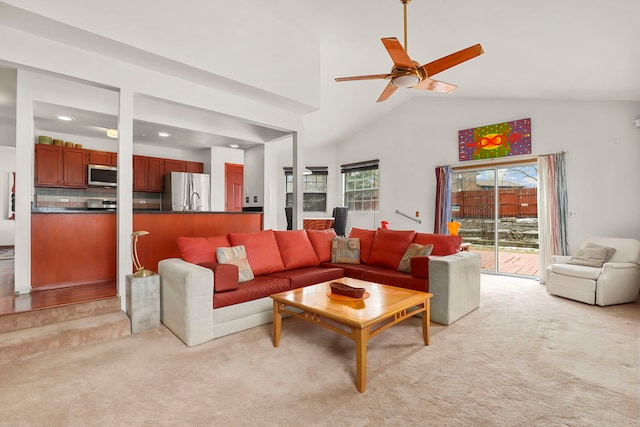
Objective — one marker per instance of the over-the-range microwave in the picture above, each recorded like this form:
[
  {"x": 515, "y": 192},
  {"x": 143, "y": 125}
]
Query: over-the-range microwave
[{"x": 102, "y": 176}]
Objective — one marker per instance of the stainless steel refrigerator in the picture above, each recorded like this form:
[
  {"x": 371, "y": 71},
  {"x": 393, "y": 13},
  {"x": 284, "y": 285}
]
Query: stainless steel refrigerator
[{"x": 186, "y": 191}]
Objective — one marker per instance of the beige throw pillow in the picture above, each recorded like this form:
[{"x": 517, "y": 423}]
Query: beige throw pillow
[
  {"x": 236, "y": 255},
  {"x": 590, "y": 256},
  {"x": 413, "y": 250},
  {"x": 610, "y": 251}
]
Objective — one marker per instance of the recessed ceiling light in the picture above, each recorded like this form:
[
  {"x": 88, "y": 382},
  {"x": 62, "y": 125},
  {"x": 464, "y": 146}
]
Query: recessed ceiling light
[
  {"x": 65, "y": 118},
  {"x": 112, "y": 133},
  {"x": 234, "y": 146},
  {"x": 164, "y": 134}
]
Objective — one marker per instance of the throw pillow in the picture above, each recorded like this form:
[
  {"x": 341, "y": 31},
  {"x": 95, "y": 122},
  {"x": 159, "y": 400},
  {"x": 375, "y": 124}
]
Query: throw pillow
[
  {"x": 321, "y": 241},
  {"x": 197, "y": 250},
  {"x": 442, "y": 244},
  {"x": 262, "y": 251},
  {"x": 389, "y": 246},
  {"x": 296, "y": 249},
  {"x": 366, "y": 241},
  {"x": 589, "y": 256},
  {"x": 345, "y": 250},
  {"x": 413, "y": 250},
  {"x": 610, "y": 251},
  {"x": 236, "y": 255}
]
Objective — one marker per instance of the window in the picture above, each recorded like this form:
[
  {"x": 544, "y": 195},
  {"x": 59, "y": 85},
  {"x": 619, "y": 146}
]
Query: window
[
  {"x": 314, "y": 188},
  {"x": 361, "y": 183}
]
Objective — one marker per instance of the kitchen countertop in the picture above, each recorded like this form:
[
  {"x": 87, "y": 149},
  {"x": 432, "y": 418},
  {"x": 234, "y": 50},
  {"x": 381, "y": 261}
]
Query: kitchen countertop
[{"x": 44, "y": 210}]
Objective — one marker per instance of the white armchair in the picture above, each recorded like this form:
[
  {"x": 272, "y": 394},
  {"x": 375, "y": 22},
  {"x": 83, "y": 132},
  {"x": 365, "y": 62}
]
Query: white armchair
[{"x": 616, "y": 282}]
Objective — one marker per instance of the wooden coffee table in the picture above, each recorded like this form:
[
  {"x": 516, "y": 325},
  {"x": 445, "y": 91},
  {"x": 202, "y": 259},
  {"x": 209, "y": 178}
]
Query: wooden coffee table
[{"x": 358, "y": 320}]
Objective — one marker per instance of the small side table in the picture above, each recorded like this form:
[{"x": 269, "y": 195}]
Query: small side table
[{"x": 143, "y": 302}]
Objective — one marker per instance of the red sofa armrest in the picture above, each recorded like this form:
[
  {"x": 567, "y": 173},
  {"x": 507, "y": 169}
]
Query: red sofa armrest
[
  {"x": 225, "y": 276},
  {"x": 420, "y": 267}
]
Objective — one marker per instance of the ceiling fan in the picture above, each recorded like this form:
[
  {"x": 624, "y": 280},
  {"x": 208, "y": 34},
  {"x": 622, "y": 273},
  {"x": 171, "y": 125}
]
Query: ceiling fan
[{"x": 409, "y": 74}]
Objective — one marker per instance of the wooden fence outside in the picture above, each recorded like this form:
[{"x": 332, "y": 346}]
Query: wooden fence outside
[{"x": 513, "y": 203}]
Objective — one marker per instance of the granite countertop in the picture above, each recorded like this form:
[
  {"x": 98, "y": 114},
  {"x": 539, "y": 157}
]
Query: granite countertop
[{"x": 47, "y": 210}]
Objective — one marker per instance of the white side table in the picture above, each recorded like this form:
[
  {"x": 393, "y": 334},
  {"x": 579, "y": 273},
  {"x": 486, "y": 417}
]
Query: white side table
[{"x": 143, "y": 302}]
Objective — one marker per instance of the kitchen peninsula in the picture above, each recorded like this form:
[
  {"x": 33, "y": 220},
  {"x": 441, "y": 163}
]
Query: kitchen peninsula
[{"x": 79, "y": 248}]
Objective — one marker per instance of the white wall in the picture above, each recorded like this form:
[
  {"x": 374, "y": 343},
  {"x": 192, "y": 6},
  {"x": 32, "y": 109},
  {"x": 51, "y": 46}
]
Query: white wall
[
  {"x": 176, "y": 31},
  {"x": 254, "y": 177},
  {"x": 7, "y": 165},
  {"x": 603, "y": 160}
]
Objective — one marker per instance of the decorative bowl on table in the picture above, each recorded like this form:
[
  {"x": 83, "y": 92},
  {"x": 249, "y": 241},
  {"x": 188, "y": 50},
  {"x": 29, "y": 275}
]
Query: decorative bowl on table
[{"x": 338, "y": 288}]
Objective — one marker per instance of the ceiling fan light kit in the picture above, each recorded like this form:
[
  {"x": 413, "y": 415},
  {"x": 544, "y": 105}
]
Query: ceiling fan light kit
[
  {"x": 408, "y": 80},
  {"x": 407, "y": 73}
]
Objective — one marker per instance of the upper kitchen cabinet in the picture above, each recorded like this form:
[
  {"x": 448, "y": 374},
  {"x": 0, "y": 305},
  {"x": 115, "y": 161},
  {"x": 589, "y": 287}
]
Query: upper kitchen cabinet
[
  {"x": 74, "y": 167},
  {"x": 48, "y": 162},
  {"x": 174, "y": 166},
  {"x": 104, "y": 158},
  {"x": 147, "y": 173},
  {"x": 60, "y": 167},
  {"x": 194, "y": 167}
]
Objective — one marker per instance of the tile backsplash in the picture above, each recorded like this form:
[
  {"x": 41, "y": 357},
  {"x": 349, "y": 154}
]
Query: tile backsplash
[{"x": 77, "y": 199}]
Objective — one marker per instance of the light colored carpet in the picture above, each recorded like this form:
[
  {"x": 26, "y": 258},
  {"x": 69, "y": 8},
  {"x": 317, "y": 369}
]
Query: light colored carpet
[{"x": 523, "y": 358}]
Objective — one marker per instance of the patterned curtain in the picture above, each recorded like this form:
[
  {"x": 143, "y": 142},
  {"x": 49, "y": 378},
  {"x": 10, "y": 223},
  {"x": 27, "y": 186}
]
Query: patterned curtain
[
  {"x": 552, "y": 210},
  {"x": 444, "y": 181}
]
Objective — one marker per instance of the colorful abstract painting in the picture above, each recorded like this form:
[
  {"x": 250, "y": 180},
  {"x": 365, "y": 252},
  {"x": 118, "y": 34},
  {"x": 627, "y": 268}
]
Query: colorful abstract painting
[{"x": 499, "y": 140}]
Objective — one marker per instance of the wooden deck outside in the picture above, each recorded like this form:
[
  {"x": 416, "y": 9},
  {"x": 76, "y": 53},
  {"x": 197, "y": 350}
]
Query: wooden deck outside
[{"x": 510, "y": 262}]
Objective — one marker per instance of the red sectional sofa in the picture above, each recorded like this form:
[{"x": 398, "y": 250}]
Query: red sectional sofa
[{"x": 203, "y": 299}]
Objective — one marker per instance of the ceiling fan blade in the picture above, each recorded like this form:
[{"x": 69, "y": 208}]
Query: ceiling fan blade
[
  {"x": 398, "y": 55},
  {"x": 435, "y": 85},
  {"x": 446, "y": 62},
  {"x": 387, "y": 92},
  {"x": 369, "y": 77}
]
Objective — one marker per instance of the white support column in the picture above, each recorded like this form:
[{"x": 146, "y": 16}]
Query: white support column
[
  {"x": 24, "y": 185},
  {"x": 298, "y": 167},
  {"x": 125, "y": 191}
]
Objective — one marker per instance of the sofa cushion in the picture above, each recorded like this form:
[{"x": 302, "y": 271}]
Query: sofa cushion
[
  {"x": 366, "y": 241},
  {"x": 307, "y": 276},
  {"x": 321, "y": 241},
  {"x": 345, "y": 250},
  {"x": 389, "y": 246},
  {"x": 413, "y": 250},
  {"x": 443, "y": 245},
  {"x": 237, "y": 256},
  {"x": 579, "y": 271},
  {"x": 296, "y": 249},
  {"x": 225, "y": 276},
  {"x": 262, "y": 251},
  {"x": 355, "y": 271},
  {"x": 200, "y": 249},
  {"x": 260, "y": 287},
  {"x": 390, "y": 277}
]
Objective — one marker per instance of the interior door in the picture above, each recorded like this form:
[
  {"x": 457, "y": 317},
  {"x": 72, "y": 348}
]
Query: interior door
[{"x": 234, "y": 187}]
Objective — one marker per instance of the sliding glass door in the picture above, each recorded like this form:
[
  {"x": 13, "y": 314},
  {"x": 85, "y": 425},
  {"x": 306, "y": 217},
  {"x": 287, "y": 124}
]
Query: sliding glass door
[{"x": 497, "y": 210}]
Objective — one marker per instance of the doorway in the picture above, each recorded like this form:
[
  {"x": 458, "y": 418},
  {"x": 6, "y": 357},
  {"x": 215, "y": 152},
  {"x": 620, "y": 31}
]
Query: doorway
[
  {"x": 234, "y": 187},
  {"x": 498, "y": 212}
]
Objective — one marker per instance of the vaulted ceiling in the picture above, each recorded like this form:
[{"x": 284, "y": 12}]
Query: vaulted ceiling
[{"x": 544, "y": 49}]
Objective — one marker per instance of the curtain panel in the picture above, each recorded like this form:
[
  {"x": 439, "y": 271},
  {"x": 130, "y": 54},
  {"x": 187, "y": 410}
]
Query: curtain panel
[
  {"x": 444, "y": 183},
  {"x": 552, "y": 210}
]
